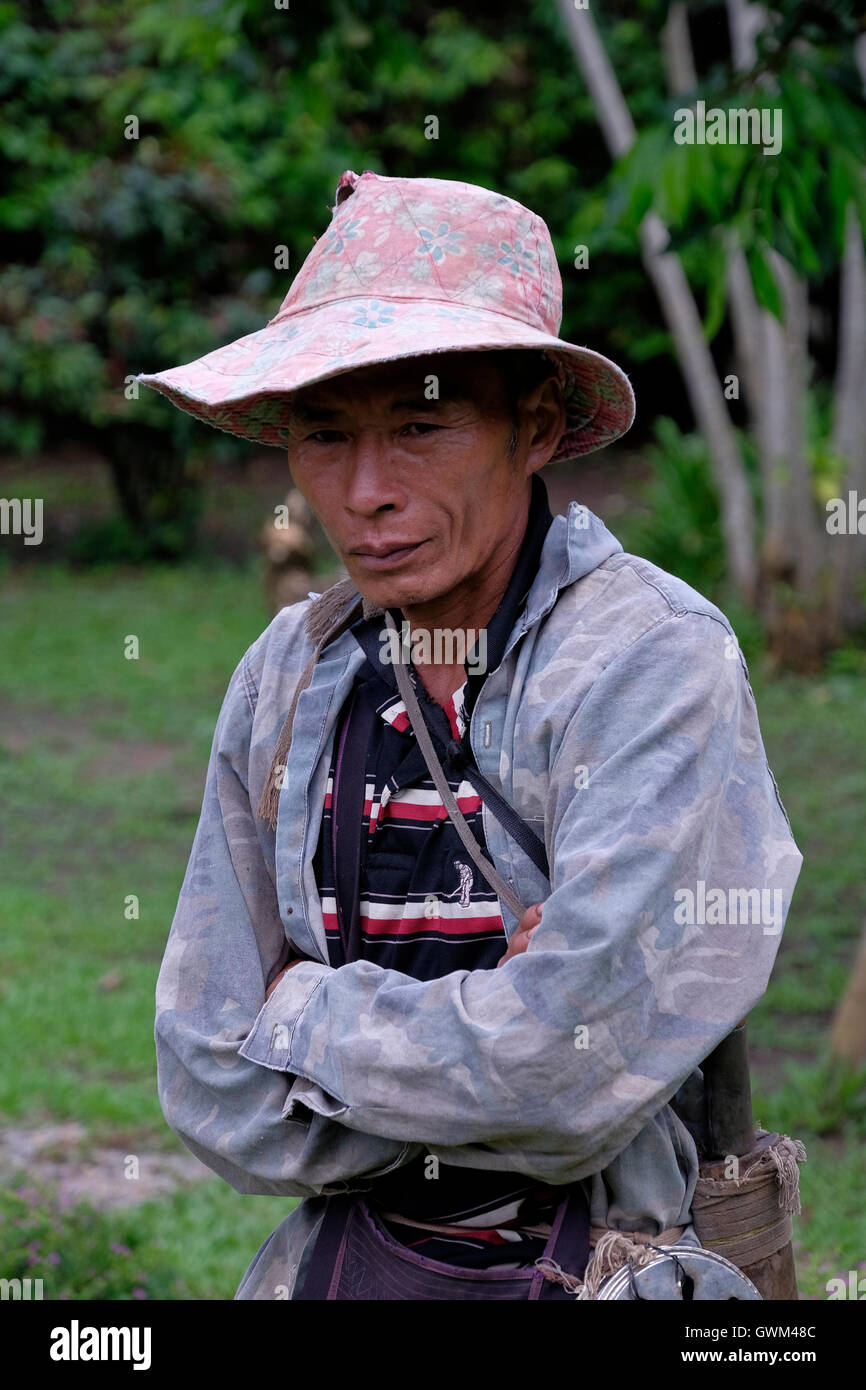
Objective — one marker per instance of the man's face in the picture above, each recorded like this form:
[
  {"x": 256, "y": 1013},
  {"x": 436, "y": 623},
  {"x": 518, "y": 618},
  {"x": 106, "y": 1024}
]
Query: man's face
[{"x": 415, "y": 495}]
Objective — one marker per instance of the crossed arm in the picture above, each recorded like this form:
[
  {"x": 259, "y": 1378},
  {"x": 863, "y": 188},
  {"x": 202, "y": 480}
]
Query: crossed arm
[
  {"x": 516, "y": 945},
  {"x": 317, "y": 1078}
]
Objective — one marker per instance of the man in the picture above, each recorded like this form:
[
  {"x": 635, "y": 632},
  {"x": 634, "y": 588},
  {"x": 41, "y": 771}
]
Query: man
[{"x": 347, "y": 1011}]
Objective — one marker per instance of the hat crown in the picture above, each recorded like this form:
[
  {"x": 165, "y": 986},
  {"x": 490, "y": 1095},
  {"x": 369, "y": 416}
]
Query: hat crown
[
  {"x": 431, "y": 239},
  {"x": 406, "y": 268}
]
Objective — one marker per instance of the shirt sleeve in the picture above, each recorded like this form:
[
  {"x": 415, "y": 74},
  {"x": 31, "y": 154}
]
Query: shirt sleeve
[
  {"x": 672, "y": 870},
  {"x": 226, "y": 943}
]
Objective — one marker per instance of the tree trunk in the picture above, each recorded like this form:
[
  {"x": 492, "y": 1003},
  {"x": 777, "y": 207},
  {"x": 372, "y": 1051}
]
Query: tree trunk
[
  {"x": 680, "y": 311},
  {"x": 794, "y": 591},
  {"x": 677, "y": 51},
  {"x": 776, "y": 373},
  {"x": 849, "y": 415},
  {"x": 158, "y": 496},
  {"x": 848, "y": 1034}
]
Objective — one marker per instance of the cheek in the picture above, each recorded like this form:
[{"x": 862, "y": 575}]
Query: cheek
[
  {"x": 462, "y": 535},
  {"x": 312, "y": 483},
  {"x": 300, "y": 471}
]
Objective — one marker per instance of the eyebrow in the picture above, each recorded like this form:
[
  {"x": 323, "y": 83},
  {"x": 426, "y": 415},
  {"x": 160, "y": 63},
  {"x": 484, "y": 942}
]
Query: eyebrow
[{"x": 308, "y": 413}]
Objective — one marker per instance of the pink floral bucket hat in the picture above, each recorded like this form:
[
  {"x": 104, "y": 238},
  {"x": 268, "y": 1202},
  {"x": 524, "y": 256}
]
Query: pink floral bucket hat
[{"x": 406, "y": 267}]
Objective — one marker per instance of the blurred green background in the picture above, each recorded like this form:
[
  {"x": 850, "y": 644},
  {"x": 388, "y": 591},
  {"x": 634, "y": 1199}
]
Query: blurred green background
[{"x": 123, "y": 255}]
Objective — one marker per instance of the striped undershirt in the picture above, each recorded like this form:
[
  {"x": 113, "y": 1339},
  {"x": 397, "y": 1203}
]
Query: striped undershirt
[{"x": 426, "y": 911}]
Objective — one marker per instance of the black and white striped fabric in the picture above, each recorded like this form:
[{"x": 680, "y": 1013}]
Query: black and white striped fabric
[{"x": 425, "y": 910}]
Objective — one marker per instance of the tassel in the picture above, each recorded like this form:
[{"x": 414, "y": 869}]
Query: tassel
[
  {"x": 784, "y": 1155},
  {"x": 612, "y": 1251},
  {"x": 557, "y": 1275}
]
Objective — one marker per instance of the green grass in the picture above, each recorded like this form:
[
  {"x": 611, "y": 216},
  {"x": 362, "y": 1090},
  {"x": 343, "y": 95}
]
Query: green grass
[
  {"x": 830, "y": 1234},
  {"x": 195, "y": 1244},
  {"x": 102, "y": 765},
  {"x": 809, "y": 732}
]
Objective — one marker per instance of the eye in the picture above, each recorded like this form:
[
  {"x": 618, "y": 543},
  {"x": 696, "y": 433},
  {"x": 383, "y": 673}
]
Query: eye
[
  {"x": 324, "y": 437},
  {"x": 422, "y": 426}
]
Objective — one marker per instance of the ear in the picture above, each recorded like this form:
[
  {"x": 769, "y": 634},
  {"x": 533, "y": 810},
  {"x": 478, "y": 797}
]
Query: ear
[{"x": 542, "y": 423}]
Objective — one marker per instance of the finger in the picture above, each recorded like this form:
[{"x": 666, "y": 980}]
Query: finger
[
  {"x": 530, "y": 918},
  {"x": 274, "y": 982},
  {"x": 525, "y": 927}
]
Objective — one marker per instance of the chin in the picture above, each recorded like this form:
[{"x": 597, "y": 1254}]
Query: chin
[{"x": 392, "y": 591}]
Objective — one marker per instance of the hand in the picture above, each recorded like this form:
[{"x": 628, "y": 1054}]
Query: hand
[
  {"x": 525, "y": 927},
  {"x": 276, "y": 980}
]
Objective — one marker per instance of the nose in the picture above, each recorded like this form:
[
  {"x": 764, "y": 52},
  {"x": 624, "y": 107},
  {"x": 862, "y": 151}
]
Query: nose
[{"x": 370, "y": 481}]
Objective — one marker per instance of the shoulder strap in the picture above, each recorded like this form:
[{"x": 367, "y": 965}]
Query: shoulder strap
[
  {"x": 517, "y": 827},
  {"x": 347, "y": 818},
  {"x": 489, "y": 871}
]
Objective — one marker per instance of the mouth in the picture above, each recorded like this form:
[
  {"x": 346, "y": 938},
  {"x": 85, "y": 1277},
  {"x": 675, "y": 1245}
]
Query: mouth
[{"x": 386, "y": 556}]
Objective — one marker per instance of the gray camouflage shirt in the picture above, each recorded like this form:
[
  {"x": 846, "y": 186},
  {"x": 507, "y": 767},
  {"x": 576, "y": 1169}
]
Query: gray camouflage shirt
[{"x": 621, "y": 724}]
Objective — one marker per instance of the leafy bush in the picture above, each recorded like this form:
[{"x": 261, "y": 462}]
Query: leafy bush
[
  {"x": 849, "y": 660},
  {"x": 154, "y": 157},
  {"x": 676, "y": 521},
  {"x": 79, "y": 1253}
]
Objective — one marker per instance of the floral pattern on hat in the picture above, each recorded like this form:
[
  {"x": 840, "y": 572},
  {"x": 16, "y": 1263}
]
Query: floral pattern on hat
[
  {"x": 407, "y": 267},
  {"x": 334, "y": 241},
  {"x": 372, "y": 314},
  {"x": 442, "y": 242}
]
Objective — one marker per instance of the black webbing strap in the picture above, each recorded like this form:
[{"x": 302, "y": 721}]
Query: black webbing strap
[
  {"x": 347, "y": 820},
  {"x": 458, "y": 753},
  {"x": 508, "y": 818},
  {"x": 571, "y": 1248},
  {"x": 316, "y": 1282},
  {"x": 460, "y": 758}
]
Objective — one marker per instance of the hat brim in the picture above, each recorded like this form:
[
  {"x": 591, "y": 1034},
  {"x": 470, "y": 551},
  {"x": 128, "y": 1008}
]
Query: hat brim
[{"x": 243, "y": 388}]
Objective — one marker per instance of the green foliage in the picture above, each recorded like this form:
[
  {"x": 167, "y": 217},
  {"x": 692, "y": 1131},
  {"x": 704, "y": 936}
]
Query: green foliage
[
  {"x": 828, "y": 468},
  {"x": 77, "y": 1252},
  {"x": 127, "y": 255},
  {"x": 676, "y": 522},
  {"x": 830, "y": 1235},
  {"x": 114, "y": 541},
  {"x": 849, "y": 660},
  {"x": 823, "y": 1097},
  {"x": 794, "y": 201},
  {"x": 124, "y": 254}
]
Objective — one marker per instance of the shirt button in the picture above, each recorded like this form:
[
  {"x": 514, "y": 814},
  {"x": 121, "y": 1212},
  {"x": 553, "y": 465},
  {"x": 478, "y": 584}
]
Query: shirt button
[{"x": 289, "y": 911}]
